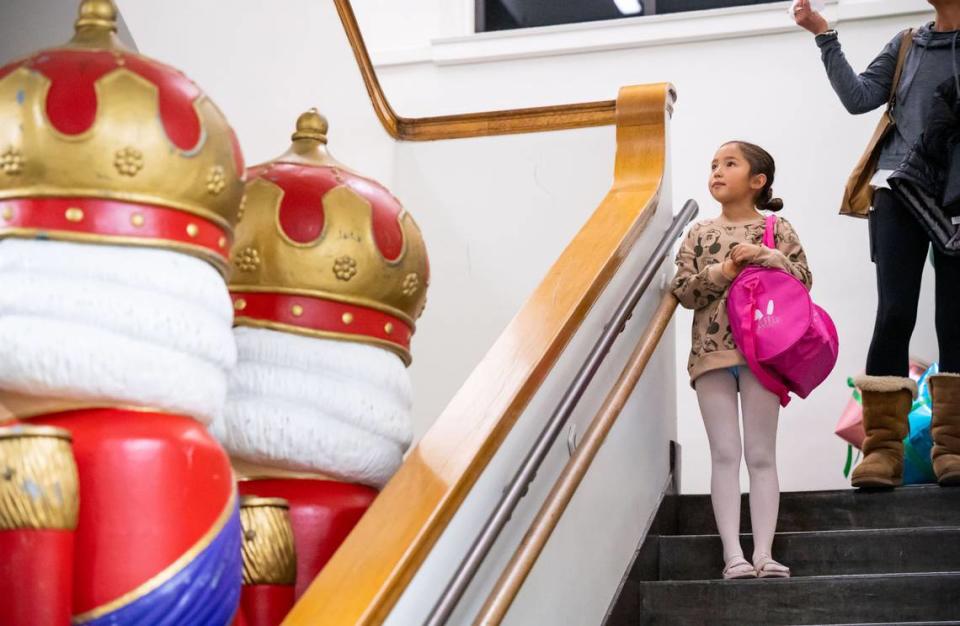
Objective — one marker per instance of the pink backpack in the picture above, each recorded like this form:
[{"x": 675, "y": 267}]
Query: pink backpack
[{"x": 790, "y": 343}]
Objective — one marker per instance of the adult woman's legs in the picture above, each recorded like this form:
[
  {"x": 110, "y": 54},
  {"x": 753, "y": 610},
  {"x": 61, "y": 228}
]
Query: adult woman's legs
[
  {"x": 717, "y": 395},
  {"x": 761, "y": 410},
  {"x": 899, "y": 247}
]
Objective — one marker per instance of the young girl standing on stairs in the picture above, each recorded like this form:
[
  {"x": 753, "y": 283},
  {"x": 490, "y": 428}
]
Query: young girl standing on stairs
[{"x": 712, "y": 256}]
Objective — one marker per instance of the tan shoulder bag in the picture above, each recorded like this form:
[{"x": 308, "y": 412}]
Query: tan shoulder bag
[{"x": 858, "y": 196}]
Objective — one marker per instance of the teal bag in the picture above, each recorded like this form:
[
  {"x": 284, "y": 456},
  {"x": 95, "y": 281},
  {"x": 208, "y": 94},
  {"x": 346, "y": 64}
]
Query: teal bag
[{"x": 917, "y": 446}]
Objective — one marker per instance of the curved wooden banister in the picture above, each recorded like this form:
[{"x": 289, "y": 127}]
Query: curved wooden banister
[
  {"x": 532, "y": 120},
  {"x": 364, "y": 579}
]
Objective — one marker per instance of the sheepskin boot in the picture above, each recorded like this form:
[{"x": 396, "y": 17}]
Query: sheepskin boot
[
  {"x": 887, "y": 401},
  {"x": 945, "y": 393}
]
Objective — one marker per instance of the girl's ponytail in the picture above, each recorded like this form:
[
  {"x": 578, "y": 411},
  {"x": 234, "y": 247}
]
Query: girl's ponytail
[{"x": 761, "y": 162}]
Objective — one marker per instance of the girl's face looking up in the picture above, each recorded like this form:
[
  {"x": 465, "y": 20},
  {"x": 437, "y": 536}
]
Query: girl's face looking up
[{"x": 730, "y": 178}]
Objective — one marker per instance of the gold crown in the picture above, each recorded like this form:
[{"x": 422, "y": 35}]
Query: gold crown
[
  {"x": 98, "y": 143},
  {"x": 323, "y": 251}
]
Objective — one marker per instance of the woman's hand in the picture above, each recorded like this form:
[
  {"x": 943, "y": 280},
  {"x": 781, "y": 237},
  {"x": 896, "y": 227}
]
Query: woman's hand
[
  {"x": 807, "y": 18},
  {"x": 745, "y": 254}
]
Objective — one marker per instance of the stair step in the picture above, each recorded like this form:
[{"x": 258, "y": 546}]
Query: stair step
[
  {"x": 832, "y": 553},
  {"x": 906, "y": 507},
  {"x": 879, "y": 598},
  {"x": 938, "y": 623}
]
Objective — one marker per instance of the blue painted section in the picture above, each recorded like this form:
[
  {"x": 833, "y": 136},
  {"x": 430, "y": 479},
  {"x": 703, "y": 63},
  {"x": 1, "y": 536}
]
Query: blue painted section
[{"x": 204, "y": 593}]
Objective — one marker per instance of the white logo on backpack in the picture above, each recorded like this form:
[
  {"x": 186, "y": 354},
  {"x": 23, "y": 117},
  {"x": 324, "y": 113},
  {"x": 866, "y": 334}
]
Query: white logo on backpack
[{"x": 766, "y": 320}]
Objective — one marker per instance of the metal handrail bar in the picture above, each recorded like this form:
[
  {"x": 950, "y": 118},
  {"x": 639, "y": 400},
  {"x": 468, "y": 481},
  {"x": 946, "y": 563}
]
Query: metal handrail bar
[{"x": 518, "y": 485}]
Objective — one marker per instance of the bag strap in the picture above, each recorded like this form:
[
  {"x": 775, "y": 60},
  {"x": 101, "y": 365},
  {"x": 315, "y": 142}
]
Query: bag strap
[
  {"x": 748, "y": 326},
  {"x": 769, "y": 232},
  {"x": 906, "y": 41}
]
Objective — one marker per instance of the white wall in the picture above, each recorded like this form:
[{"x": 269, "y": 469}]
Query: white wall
[
  {"x": 29, "y": 25},
  {"x": 768, "y": 88}
]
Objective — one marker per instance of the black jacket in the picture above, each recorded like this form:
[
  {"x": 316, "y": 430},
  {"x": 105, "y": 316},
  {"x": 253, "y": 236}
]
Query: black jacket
[{"x": 928, "y": 179}]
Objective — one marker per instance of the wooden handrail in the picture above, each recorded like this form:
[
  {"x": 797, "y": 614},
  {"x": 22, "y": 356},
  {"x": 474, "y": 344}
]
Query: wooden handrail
[
  {"x": 552, "y": 509},
  {"x": 366, "y": 576},
  {"x": 483, "y": 124}
]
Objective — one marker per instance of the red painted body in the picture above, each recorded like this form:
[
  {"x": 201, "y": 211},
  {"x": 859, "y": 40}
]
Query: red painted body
[
  {"x": 239, "y": 619},
  {"x": 266, "y": 605},
  {"x": 152, "y": 485},
  {"x": 322, "y": 513},
  {"x": 36, "y": 577}
]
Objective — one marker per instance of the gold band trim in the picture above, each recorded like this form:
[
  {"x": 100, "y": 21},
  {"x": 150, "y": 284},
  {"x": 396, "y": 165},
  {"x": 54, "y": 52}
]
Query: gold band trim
[
  {"x": 247, "y": 471},
  {"x": 24, "y": 406},
  {"x": 169, "y": 572},
  {"x": 200, "y": 252},
  {"x": 252, "y": 502},
  {"x": 24, "y": 432}
]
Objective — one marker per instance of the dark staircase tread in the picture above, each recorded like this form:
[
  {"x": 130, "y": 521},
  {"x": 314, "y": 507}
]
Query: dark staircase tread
[
  {"x": 841, "y": 552},
  {"x": 926, "y": 505},
  {"x": 939, "y": 623},
  {"x": 858, "y": 558},
  {"x": 883, "y": 598},
  {"x": 804, "y": 579}
]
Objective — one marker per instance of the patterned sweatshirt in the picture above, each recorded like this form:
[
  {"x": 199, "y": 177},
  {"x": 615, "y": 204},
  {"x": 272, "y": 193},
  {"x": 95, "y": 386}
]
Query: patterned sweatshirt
[{"x": 701, "y": 285}]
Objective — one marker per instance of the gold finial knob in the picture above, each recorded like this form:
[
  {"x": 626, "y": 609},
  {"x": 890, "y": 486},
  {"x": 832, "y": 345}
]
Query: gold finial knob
[
  {"x": 97, "y": 14},
  {"x": 312, "y": 125}
]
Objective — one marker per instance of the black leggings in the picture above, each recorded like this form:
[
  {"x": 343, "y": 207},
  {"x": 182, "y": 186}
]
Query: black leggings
[{"x": 899, "y": 246}]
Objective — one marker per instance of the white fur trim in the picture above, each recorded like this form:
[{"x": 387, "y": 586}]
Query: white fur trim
[
  {"x": 305, "y": 404},
  {"x": 118, "y": 324},
  {"x": 946, "y": 375},
  {"x": 886, "y": 384}
]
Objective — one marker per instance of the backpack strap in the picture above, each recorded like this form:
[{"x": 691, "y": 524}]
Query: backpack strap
[
  {"x": 769, "y": 232},
  {"x": 906, "y": 42}
]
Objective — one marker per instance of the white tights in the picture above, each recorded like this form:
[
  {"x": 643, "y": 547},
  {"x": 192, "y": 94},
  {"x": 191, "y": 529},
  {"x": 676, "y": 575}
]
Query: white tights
[{"x": 717, "y": 395}]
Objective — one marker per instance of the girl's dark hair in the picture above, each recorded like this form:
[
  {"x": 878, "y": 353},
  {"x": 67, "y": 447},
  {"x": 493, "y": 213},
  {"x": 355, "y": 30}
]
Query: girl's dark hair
[{"x": 761, "y": 162}]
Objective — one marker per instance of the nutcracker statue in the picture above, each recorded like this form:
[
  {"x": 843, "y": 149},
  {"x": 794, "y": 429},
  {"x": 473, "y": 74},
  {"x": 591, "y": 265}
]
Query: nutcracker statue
[
  {"x": 329, "y": 273},
  {"x": 119, "y": 186}
]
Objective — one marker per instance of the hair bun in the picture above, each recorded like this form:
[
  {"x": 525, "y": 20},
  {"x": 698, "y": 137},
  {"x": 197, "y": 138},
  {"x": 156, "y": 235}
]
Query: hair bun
[{"x": 773, "y": 204}]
